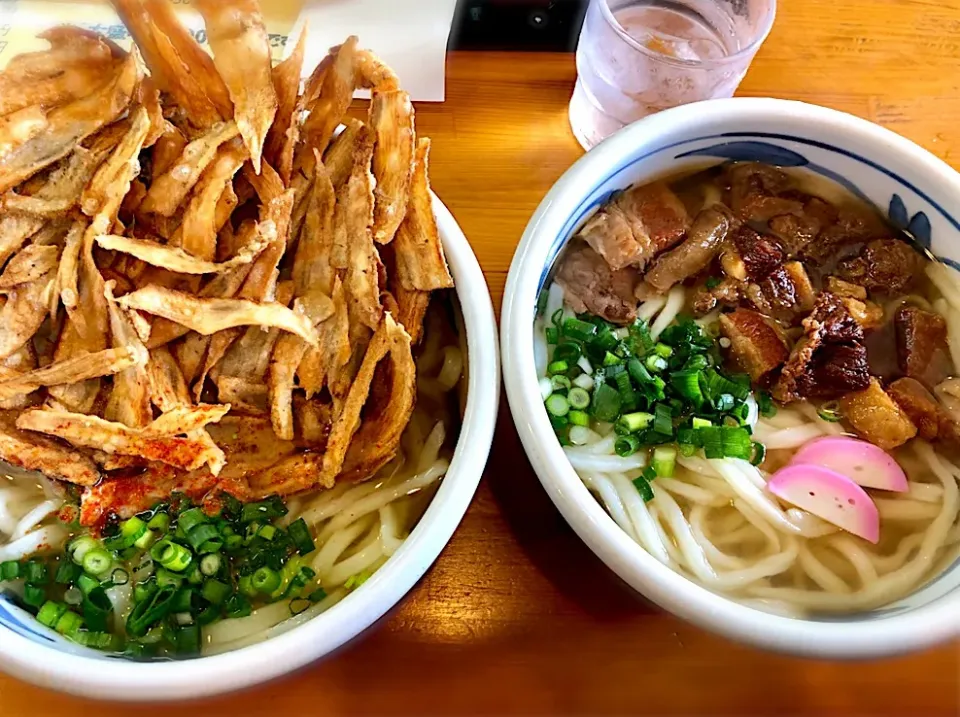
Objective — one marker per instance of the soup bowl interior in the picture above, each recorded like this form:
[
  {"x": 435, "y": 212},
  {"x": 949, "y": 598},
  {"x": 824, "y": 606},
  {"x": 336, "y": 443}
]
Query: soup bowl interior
[
  {"x": 33, "y": 653},
  {"x": 914, "y": 189}
]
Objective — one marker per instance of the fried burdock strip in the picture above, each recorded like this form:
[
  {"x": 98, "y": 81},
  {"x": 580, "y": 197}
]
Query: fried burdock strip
[
  {"x": 375, "y": 73},
  {"x": 421, "y": 264},
  {"x": 335, "y": 95},
  {"x": 241, "y": 53},
  {"x": 312, "y": 269},
  {"x": 391, "y": 116},
  {"x": 207, "y": 316},
  {"x": 204, "y": 216},
  {"x": 285, "y": 131},
  {"x": 62, "y": 189},
  {"x": 222, "y": 286},
  {"x": 68, "y": 125},
  {"x": 73, "y": 370},
  {"x": 129, "y": 400},
  {"x": 111, "y": 437},
  {"x": 390, "y": 338},
  {"x": 176, "y": 62},
  {"x": 325, "y": 362},
  {"x": 37, "y": 453},
  {"x": 15, "y": 229},
  {"x": 69, "y": 267},
  {"x": 174, "y": 259},
  {"x": 29, "y": 264},
  {"x": 16, "y": 364},
  {"x": 168, "y": 190},
  {"x": 25, "y": 310},
  {"x": 353, "y": 247},
  {"x": 293, "y": 474}
]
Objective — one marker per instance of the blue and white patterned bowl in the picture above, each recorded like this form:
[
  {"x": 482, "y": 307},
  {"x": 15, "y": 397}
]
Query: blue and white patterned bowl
[{"x": 919, "y": 193}]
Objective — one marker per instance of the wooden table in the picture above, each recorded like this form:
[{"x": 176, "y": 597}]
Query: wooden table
[{"x": 517, "y": 615}]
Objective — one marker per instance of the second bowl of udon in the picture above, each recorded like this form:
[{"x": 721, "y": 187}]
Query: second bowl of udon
[{"x": 730, "y": 340}]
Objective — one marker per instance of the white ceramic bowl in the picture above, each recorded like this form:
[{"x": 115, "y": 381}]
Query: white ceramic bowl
[
  {"x": 919, "y": 191},
  {"x": 33, "y": 653}
]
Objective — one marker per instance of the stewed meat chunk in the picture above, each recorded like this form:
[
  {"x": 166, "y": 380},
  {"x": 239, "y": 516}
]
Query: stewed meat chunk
[
  {"x": 887, "y": 266},
  {"x": 694, "y": 254},
  {"x": 922, "y": 350},
  {"x": 760, "y": 254},
  {"x": 829, "y": 360},
  {"x": 755, "y": 342},
  {"x": 637, "y": 226},
  {"x": 591, "y": 285}
]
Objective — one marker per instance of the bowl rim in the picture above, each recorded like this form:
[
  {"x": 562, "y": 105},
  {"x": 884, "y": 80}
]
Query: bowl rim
[
  {"x": 837, "y": 639},
  {"x": 120, "y": 679}
]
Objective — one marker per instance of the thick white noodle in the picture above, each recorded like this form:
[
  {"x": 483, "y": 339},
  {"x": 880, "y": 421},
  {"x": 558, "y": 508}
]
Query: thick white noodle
[
  {"x": 34, "y": 517},
  {"x": 674, "y": 304},
  {"x": 643, "y": 524},
  {"x": 47, "y": 539},
  {"x": 611, "y": 499},
  {"x": 582, "y": 460},
  {"x": 648, "y": 309}
]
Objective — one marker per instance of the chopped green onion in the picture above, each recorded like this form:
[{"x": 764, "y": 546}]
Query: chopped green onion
[
  {"x": 237, "y": 605},
  {"x": 736, "y": 442},
  {"x": 119, "y": 577},
  {"x": 578, "y": 418},
  {"x": 711, "y": 440},
  {"x": 166, "y": 578},
  {"x": 701, "y": 422},
  {"x": 146, "y": 540},
  {"x": 579, "y": 330},
  {"x": 265, "y": 580},
  {"x": 633, "y": 422},
  {"x": 150, "y": 611},
  {"x": 97, "y": 640},
  {"x": 552, "y": 335},
  {"x": 159, "y": 522},
  {"x": 80, "y": 547},
  {"x": 687, "y": 384},
  {"x": 724, "y": 402},
  {"x": 97, "y": 562},
  {"x": 713, "y": 282},
  {"x": 317, "y": 595},
  {"x": 556, "y": 318},
  {"x": 830, "y": 411},
  {"x": 355, "y": 581},
  {"x": 172, "y": 556},
  {"x": 546, "y": 387},
  {"x": 50, "y": 613},
  {"x": 664, "y": 461},
  {"x": 605, "y": 405},
  {"x": 215, "y": 591},
  {"x": 67, "y": 573},
  {"x": 210, "y": 564},
  {"x": 298, "y": 605},
  {"x": 626, "y": 445},
  {"x": 663, "y": 351},
  {"x": 9, "y": 570},
  {"x": 663, "y": 419},
  {"x": 68, "y": 623},
  {"x": 130, "y": 531},
  {"x": 687, "y": 449},
  {"x": 190, "y": 519},
  {"x": 759, "y": 453},
  {"x": 188, "y": 640},
  {"x": 87, "y": 583},
  {"x": 611, "y": 359},
  {"x": 265, "y": 510},
  {"x": 96, "y": 608},
  {"x": 267, "y": 532},
  {"x": 201, "y": 534},
  {"x": 643, "y": 488},
  {"x": 697, "y": 363},
  {"x": 35, "y": 573},
  {"x": 557, "y": 405},
  {"x": 567, "y": 352},
  {"x": 34, "y": 596},
  {"x": 300, "y": 535},
  {"x": 578, "y": 398},
  {"x": 560, "y": 383},
  {"x": 655, "y": 363},
  {"x": 557, "y": 367}
]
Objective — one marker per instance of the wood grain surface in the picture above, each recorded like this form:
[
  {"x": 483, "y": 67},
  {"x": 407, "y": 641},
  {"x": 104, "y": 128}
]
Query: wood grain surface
[{"x": 517, "y": 616}]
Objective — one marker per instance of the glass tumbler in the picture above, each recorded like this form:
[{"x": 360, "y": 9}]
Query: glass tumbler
[{"x": 637, "y": 57}]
